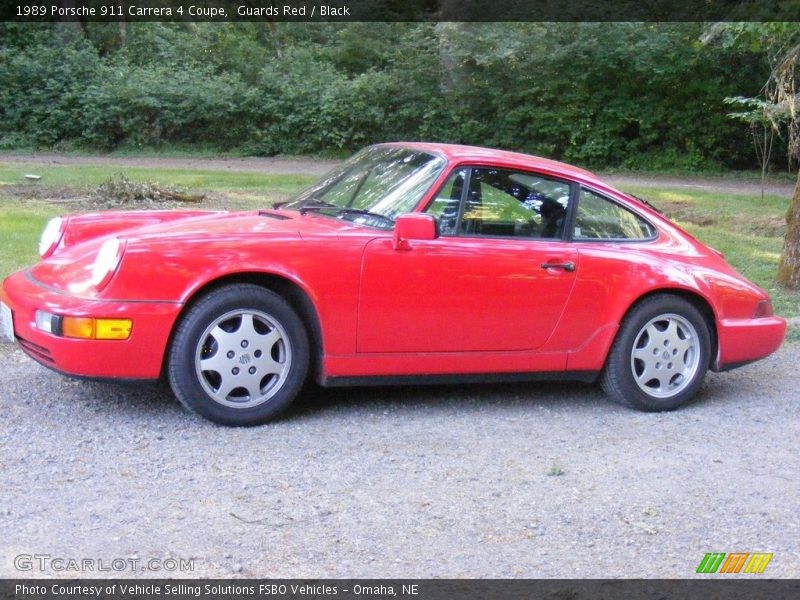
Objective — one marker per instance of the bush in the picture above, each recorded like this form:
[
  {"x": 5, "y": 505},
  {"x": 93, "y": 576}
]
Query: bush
[{"x": 598, "y": 94}]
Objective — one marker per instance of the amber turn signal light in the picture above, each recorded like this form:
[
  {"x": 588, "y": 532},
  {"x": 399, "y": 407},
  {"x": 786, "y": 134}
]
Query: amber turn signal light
[
  {"x": 113, "y": 329},
  {"x": 77, "y": 327},
  {"x": 96, "y": 329}
]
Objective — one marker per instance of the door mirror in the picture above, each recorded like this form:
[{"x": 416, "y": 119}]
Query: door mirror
[{"x": 414, "y": 226}]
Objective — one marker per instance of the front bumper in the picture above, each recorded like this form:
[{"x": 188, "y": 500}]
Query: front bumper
[
  {"x": 743, "y": 341},
  {"x": 139, "y": 357}
]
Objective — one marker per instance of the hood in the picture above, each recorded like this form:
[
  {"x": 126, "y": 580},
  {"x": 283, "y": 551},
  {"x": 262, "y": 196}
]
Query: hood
[{"x": 175, "y": 234}]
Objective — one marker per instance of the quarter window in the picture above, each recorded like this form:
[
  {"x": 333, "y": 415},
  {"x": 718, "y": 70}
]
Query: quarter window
[{"x": 599, "y": 218}]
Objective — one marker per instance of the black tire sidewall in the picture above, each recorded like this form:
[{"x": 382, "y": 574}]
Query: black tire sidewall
[
  {"x": 181, "y": 367},
  {"x": 620, "y": 375}
]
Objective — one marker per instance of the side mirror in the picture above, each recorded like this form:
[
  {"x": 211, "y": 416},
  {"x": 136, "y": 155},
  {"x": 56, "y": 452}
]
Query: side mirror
[{"x": 414, "y": 226}]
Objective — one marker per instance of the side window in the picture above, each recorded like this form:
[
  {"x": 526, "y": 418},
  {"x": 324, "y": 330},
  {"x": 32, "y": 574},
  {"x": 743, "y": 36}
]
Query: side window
[
  {"x": 502, "y": 203},
  {"x": 445, "y": 206},
  {"x": 598, "y": 218},
  {"x": 508, "y": 203}
]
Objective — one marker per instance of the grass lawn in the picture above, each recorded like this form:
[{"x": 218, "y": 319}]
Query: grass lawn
[
  {"x": 83, "y": 176},
  {"x": 748, "y": 230}
]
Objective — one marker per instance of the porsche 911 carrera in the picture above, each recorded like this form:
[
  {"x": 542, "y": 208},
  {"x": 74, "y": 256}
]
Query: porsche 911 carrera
[{"x": 408, "y": 263}]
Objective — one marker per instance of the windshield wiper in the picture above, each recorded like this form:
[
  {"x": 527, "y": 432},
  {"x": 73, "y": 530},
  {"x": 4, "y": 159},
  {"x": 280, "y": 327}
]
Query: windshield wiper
[
  {"x": 341, "y": 211},
  {"x": 315, "y": 204},
  {"x": 365, "y": 213}
]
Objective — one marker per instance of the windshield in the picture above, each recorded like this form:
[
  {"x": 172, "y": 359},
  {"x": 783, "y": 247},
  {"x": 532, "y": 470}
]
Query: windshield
[{"x": 373, "y": 187}]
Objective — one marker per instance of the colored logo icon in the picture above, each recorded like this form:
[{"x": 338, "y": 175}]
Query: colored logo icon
[{"x": 736, "y": 562}]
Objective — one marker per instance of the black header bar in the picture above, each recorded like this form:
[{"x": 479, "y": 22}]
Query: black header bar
[
  {"x": 33, "y": 11},
  {"x": 742, "y": 587}
]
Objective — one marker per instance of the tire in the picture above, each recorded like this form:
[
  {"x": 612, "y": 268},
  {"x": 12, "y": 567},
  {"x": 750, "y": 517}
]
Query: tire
[
  {"x": 239, "y": 356},
  {"x": 660, "y": 355}
]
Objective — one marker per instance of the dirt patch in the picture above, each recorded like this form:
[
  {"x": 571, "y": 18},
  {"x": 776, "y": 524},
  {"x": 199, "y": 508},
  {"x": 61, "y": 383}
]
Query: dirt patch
[
  {"x": 682, "y": 211},
  {"x": 767, "y": 226},
  {"x": 116, "y": 192},
  {"x": 56, "y": 195}
]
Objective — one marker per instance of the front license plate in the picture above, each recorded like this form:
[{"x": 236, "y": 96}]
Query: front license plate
[{"x": 6, "y": 322}]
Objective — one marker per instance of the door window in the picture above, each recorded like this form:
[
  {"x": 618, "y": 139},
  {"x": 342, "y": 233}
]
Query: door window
[{"x": 501, "y": 203}]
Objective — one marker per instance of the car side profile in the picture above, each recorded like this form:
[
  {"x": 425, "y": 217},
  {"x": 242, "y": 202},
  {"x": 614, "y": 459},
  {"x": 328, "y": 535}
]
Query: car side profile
[{"x": 408, "y": 263}]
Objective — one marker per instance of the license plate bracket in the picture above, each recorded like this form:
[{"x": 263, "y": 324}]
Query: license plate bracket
[{"x": 6, "y": 323}]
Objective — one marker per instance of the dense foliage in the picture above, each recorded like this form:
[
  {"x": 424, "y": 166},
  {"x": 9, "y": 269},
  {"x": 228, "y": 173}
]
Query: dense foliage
[{"x": 599, "y": 94}]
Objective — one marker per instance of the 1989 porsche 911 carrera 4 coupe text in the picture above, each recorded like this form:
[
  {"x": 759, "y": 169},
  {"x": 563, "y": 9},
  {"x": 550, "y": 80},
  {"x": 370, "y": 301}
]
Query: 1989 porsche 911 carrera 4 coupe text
[{"x": 408, "y": 263}]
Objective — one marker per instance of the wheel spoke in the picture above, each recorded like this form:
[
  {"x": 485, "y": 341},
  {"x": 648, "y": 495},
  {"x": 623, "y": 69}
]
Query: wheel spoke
[
  {"x": 267, "y": 341},
  {"x": 252, "y": 384},
  {"x": 646, "y": 375},
  {"x": 658, "y": 335},
  {"x": 214, "y": 363},
  {"x": 671, "y": 332},
  {"x": 683, "y": 345},
  {"x": 225, "y": 341},
  {"x": 247, "y": 329},
  {"x": 267, "y": 365},
  {"x": 227, "y": 385},
  {"x": 663, "y": 378}
]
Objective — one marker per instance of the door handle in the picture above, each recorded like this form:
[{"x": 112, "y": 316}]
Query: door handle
[{"x": 568, "y": 266}]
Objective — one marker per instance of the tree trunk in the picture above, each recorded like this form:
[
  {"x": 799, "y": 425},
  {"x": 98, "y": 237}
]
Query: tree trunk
[
  {"x": 123, "y": 25},
  {"x": 789, "y": 267},
  {"x": 67, "y": 27},
  {"x": 452, "y": 75}
]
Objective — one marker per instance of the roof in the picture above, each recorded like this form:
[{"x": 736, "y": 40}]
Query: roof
[{"x": 477, "y": 154}]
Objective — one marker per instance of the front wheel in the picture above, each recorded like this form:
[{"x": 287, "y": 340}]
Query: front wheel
[
  {"x": 239, "y": 356},
  {"x": 660, "y": 356}
]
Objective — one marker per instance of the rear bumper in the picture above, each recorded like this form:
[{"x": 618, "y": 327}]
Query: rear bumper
[
  {"x": 743, "y": 341},
  {"x": 139, "y": 357}
]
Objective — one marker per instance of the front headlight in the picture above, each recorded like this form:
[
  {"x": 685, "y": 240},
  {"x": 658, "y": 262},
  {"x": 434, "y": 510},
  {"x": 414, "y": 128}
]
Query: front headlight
[
  {"x": 107, "y": 261},
  {"x": 51, "y": 236}
]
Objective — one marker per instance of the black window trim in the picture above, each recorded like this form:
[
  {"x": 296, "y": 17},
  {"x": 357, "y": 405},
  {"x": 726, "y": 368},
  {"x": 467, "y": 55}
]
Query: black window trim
[
  {"x": 574, "y": 191},
  {"x": 607, "y": 198}
]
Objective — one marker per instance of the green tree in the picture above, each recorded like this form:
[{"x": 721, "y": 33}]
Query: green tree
[{"x": 780, "y": 43}]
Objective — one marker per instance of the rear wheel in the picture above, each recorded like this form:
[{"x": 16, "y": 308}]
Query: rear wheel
[
  {"x": 660, "y": 356},
  {"x": 239, "y": 356}
]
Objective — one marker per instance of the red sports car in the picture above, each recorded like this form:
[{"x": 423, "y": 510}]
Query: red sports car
[{"x": 408, "y": 263}]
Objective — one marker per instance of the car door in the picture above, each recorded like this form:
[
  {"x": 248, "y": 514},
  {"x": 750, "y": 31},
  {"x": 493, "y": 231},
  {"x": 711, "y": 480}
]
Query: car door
[{"x": 496, "y": 279}]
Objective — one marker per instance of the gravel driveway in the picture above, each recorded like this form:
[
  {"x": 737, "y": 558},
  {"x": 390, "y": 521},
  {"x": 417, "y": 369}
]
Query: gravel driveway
[{"x": 414, "y": 481}]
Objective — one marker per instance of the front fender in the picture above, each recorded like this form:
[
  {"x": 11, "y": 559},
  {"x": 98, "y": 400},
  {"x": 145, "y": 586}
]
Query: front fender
[{"x": 87, "y": 226}]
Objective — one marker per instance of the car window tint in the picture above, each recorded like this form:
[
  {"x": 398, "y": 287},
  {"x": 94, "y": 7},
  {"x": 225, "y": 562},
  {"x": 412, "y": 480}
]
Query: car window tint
[
  {"x": 507, "y": 203},
  {"x": 445, "y": 206},
  {"x": 599, "y": 218}
]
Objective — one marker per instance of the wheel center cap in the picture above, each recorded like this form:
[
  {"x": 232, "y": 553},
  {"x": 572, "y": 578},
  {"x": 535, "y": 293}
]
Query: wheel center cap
[
  {"x": 244, "y": 359},
  {"x": 665, "y": 356}
]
